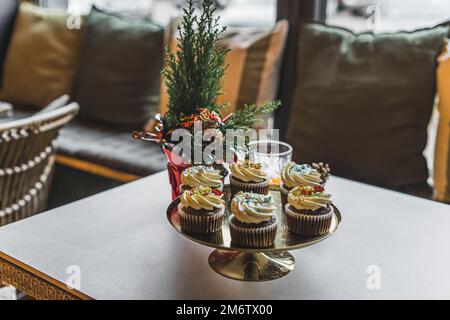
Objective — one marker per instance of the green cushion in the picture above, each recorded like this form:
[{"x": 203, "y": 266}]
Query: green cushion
[
  {"x": 119, "y": 77},
  {"x": 363, "y": 102}
]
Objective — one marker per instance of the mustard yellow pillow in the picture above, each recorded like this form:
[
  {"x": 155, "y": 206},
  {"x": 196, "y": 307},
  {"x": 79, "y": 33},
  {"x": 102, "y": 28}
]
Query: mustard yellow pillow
[
  {"x": 42, "y": 58},
  {"x": 442, "y": 150}
]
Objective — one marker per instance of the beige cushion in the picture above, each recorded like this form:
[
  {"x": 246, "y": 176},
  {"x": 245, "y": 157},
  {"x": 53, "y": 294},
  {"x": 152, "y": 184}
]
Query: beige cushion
[
  {"x": 42, "y": 58},
  {"x": 254, "y": 65},
  {"x": 442, "y": 150}
]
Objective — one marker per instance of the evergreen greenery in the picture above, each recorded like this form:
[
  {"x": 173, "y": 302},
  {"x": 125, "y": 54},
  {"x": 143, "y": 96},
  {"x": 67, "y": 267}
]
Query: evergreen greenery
[
  {"x": 249, "y": 115},
  {"x": 193, "y": 74}
]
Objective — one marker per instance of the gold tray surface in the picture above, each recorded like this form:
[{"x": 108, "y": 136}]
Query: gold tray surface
[{"x": 285, "y": 240}]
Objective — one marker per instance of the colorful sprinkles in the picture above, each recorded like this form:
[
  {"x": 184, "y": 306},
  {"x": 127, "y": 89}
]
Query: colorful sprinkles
[
  {"x": 311, "y": 191},
  {"x": 204, "y": 191},
  {"x": 251, "y": 165}
]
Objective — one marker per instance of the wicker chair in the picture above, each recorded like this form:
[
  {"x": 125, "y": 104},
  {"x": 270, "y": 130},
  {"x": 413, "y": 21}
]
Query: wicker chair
[{"x": 27, "y": 158}]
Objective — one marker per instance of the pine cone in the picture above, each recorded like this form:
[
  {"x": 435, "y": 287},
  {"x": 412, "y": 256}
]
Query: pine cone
[{"x": 323, "y": 169}]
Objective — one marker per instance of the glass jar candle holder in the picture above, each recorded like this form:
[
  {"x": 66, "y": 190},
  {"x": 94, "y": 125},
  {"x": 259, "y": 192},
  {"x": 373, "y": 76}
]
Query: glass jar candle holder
[{"x": 273, "y": 155}]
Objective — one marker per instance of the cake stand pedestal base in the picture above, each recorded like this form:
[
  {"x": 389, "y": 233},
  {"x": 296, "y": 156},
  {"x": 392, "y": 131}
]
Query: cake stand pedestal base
[{"x": 250, "y": 266}]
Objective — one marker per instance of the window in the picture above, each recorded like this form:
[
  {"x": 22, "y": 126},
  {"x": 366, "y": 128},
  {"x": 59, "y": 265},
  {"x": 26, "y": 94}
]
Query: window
[
  {"x": 241, "y": 13},
  {"x": 387, "y": 15}
]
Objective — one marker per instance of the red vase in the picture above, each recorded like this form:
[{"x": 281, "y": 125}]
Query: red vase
[{"x": 175, "y": 167}]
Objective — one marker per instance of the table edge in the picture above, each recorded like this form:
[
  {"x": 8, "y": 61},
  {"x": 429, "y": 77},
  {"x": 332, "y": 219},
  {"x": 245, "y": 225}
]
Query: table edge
[{"x": 35, "y": 283}]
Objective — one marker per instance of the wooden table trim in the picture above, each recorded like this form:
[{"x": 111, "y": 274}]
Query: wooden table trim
[
  {"x": 35, "y": 283},
  {"x": 95, "y": 169}
]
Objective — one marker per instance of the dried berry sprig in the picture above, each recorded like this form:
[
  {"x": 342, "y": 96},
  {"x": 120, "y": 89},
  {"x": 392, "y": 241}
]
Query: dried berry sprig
[{"x": 323, "y": 169}]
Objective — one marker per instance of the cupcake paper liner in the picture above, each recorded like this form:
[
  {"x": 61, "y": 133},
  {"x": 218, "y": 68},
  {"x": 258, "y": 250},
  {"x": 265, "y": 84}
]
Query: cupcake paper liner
[
  {"x": 215, "y": 237},
  {"x": 253, "y": 237},
  {"x": 255, "y": 187},
  {"x": 203, "y": 224},
  {"x": 284, "y": 195},
  {"x": 308, "y": 225}
]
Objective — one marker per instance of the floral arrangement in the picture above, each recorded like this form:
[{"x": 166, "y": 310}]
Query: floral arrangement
[{"x": 193, "y": 76}]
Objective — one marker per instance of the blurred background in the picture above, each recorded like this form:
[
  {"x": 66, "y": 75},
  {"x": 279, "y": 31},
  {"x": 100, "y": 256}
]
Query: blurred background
[
  {"x": 387, "y": 15},
  {"x": 357, "y": 15}
]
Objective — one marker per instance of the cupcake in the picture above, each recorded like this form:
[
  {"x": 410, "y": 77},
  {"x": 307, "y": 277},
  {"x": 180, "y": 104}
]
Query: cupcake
[
  {"x": 294, "y": 175},
  {"x": 201, "y": 210},
  {"x": 253, "y": 223},
  {"x": 248, "y": 176},
  {"x": 201, "y": 176},
  {"x": 309, "y": 211}
]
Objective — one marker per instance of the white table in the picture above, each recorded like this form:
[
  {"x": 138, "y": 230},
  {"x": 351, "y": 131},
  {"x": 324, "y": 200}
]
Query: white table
[{"x": 126, "y": 249}]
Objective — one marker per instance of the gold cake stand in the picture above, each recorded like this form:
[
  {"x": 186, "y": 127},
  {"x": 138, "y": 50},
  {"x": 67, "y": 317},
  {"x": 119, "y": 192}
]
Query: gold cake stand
[{"x": 250, "y": 264}]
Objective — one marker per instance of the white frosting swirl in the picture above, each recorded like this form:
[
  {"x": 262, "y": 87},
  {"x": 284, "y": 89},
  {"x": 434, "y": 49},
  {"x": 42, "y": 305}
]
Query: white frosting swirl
[
  {"x": 201, "y": 176},
  {"x": 294, "y": 175},
  {"x": 201, "y": 198},
  {"x": 252, "y": 207},
  {"x": 248, "y": 171},
  {"x": 308, "y": 198}
]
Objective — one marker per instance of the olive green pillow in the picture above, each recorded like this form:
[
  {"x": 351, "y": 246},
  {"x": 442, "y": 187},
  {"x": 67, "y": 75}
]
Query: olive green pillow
[
  {"x": 42, "y": 57},
  {"x": 363, "y": 102},
  {"x": 119, "y": 77}
]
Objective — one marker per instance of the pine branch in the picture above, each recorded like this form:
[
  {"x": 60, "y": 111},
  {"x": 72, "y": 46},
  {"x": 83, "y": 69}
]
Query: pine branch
[
  {"x": 193, "y": 74},
  {"x": 247, "y": 117}
]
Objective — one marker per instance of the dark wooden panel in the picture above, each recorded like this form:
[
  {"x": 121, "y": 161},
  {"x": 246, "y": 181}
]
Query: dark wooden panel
[{"x": 295, "y": 12}]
